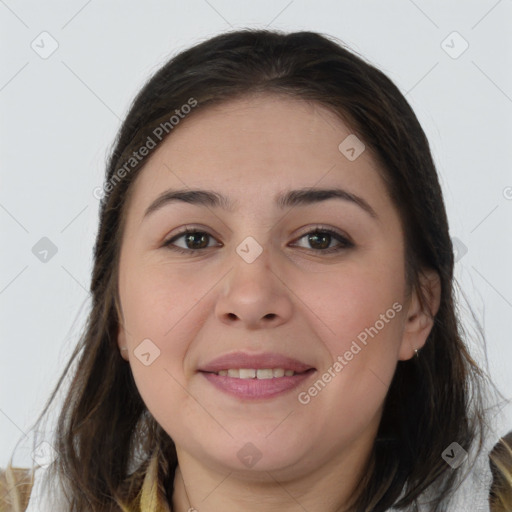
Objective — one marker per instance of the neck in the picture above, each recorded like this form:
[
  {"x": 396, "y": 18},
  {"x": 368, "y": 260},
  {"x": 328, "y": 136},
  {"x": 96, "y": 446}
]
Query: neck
[{"x": 201, "y": 489}]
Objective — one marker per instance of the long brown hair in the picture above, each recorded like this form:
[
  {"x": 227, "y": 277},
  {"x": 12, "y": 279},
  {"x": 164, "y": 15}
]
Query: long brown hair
[{"x": 105, "y": 435}]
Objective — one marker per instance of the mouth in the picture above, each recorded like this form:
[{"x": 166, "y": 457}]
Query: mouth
[
  {"x": 258, "y": 373},
  {"x": 261, "y": 376}
]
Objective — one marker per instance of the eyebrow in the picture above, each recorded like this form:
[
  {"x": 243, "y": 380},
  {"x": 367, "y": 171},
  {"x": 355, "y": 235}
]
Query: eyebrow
[{"x": 291, "y": 198}]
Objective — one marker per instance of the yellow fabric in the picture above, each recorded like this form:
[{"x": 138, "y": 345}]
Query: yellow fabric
[
  {"x": 15, "y": 487},
  {"x": 150, "y": 497}
]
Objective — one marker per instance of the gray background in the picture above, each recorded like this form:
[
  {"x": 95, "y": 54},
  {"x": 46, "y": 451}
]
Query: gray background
[{"x": 59, "y": 116}]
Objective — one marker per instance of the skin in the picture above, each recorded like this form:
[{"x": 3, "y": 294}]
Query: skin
[{"x": 197, "y": 307}]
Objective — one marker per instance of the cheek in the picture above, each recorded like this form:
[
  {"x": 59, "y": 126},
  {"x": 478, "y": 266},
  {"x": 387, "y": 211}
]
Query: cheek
[
  {"x": 348, "y": 303},
  {"x": 154, "y": 299},
  {"x": 358, "y": 317},
  {"x": 357, "y": 314},
  {"x": 154, "y": 304}
]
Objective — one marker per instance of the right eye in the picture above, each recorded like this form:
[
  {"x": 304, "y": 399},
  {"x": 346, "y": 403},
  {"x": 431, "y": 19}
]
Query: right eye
[{"x": 196, "y": 238}]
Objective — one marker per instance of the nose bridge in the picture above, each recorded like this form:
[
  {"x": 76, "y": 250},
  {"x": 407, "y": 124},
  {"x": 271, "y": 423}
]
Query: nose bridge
[
  {"x": 252, "y": 292},
  {"x": 252, "y": 270}
]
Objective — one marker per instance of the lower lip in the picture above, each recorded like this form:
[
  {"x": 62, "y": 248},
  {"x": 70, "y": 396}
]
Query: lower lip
[{"x": 257, "y": 388}]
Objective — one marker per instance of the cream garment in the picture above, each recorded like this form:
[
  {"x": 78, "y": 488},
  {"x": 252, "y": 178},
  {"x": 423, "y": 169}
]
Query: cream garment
[{"x": 472, "y": 495}]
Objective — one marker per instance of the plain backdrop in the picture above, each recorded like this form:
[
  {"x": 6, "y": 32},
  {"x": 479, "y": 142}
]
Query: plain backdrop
[{"x": 69, "y": 71}]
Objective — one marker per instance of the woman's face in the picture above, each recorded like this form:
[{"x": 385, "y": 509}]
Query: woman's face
[{"x": 267, "y": 287}]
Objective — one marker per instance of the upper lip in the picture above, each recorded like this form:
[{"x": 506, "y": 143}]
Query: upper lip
[{"x": 256, "y": 361}]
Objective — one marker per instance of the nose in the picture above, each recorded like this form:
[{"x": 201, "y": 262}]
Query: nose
[{"x": 254, "y": 295}]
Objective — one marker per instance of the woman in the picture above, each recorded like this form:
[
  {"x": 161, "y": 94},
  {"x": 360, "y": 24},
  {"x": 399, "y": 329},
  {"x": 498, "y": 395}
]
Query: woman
[{"x": 273, "y": 322}]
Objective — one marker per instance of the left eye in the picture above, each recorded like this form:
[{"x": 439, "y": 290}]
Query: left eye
[
  {"x": 322, "y": 238},
  {"x": 319, "y": 239}
]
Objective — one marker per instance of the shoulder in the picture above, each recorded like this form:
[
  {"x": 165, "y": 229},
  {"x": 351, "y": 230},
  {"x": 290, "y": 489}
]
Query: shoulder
[{"x": 15, "y": 487}]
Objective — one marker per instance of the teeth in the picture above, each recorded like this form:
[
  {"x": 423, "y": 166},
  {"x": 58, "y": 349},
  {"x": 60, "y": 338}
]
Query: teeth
[
  {"x": 260, "y": 373},
  {"x": 263, "y": 374}
]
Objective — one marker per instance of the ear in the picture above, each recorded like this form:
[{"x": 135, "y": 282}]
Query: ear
[
  {"x": 121, "y": 342},
  {"x": 121, "y": 336},
  {"x": 420, "y": 318}
]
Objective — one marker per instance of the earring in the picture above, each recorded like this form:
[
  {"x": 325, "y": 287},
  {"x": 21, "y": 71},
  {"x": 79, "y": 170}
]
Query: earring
[
  {"x": 416, "y": 351},
  {"x": 124, "y": 348}
]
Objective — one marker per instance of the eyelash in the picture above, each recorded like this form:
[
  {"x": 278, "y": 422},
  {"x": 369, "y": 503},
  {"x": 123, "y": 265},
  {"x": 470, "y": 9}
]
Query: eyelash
[{"x": 345, "y": 243}]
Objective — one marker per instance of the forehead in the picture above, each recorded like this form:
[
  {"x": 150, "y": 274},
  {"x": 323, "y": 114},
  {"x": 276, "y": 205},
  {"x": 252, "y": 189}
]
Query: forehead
[{"x": 255, "y": 147}]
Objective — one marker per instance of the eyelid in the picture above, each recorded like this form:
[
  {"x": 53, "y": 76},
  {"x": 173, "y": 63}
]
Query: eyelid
[
  {"x": 192, "y": 228},
  {"x": 327, "y": 229}
]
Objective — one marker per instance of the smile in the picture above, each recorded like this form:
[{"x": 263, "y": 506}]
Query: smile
[
  {"x": 256, "y": 384},
  {"x": 253, "y": 373}
]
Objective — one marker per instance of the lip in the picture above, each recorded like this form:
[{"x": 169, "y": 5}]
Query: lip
[
  {"x": 256, "y": 361},
  {"x": 254, "y": 389}
]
